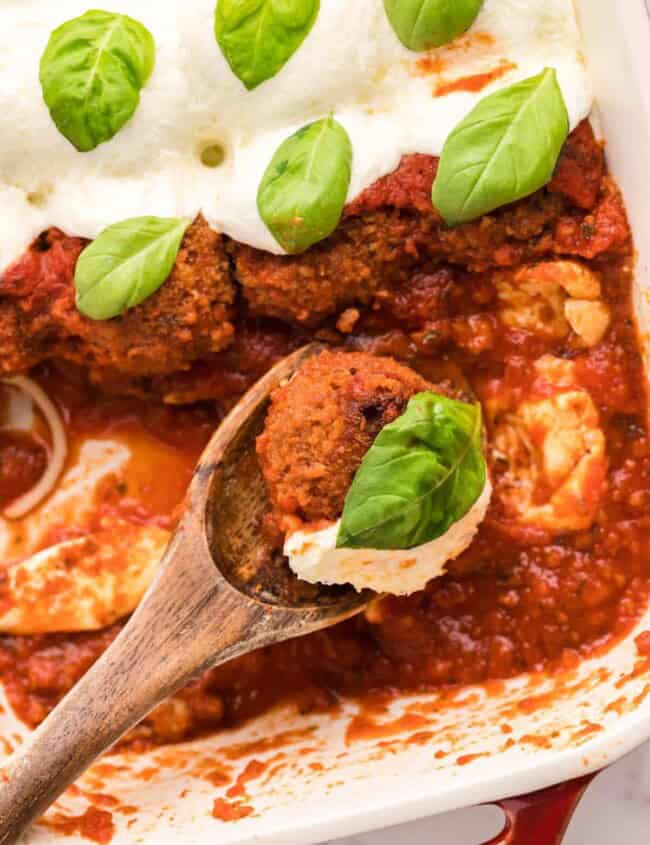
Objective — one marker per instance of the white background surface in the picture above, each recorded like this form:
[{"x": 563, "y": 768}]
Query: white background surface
[{"x": 614, "y": 811}]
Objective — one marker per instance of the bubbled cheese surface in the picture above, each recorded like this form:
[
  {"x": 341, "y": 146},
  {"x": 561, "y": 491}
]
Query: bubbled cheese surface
[{"x": 351, "y": 63}]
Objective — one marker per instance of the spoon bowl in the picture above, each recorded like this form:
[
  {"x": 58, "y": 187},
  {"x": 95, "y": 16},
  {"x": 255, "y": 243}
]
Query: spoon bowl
[
  {"x": 237, "y": 504},
  {"x": 221, "y": 590}
]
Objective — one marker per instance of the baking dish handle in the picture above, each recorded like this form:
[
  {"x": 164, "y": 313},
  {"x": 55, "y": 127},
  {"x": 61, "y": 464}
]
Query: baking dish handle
[{"x": 541, "y": 818}]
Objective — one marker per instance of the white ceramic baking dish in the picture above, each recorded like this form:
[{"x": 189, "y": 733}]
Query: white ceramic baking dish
[{"x": 310, "y": 783}]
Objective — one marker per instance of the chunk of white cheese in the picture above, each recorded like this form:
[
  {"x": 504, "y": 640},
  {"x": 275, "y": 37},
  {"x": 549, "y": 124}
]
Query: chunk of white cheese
[{"x": 314, "y": 558}]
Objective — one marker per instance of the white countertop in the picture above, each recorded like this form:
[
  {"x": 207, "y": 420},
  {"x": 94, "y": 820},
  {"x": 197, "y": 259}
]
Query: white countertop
[{"x": 615, "y": 809}]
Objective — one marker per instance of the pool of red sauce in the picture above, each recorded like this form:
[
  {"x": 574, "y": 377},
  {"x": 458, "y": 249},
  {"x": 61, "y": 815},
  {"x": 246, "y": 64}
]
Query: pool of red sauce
[{"x": 517, "y": 600}]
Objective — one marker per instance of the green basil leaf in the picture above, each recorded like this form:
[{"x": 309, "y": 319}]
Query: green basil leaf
[
  {"x": 303, "y": 191},
  {"x": 422, "y": 474},
  {"x": 258, "y": 37},
  {"x": 424, "y": 24},
  {"x": 92, "y": 72},
  {"x": 505, "y": 149},
  {"x": 126, "y": 263}
]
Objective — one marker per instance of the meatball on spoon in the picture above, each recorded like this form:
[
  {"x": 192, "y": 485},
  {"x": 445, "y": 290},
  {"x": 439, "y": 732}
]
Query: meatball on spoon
[{"x": 220, "y": 591}]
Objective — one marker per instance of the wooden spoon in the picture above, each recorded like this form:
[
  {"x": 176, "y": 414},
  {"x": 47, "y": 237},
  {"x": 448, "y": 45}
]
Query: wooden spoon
[{"x": 220, "y": 591}]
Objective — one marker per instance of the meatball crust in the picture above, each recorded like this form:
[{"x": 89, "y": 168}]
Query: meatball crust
[
  {"x": 392, "y": 228},
  {"x": 187, "y": 318},
  {"x": 365, "y": 254},
  {"x": 321, "y": 424}
]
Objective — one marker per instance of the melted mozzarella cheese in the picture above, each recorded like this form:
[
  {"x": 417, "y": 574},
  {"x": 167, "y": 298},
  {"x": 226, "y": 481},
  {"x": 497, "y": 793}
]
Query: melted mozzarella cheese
[
  {"x": 83, "y": 584},
  {"x": 351, "y": 63},
  {"x": 314, "y": 558}
]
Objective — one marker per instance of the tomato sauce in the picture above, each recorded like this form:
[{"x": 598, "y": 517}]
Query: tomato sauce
[
  {"x": 23, "y": 462},
  {"x": 519, "y": 599},
  {"x": 476, "y": 82}
]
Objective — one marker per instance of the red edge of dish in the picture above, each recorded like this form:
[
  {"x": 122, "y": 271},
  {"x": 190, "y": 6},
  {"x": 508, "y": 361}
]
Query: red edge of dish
[{"x": 542, "y": 817}]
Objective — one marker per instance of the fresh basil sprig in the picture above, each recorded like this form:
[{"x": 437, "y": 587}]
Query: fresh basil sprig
[
  {"x": 303, "y": 191},
  {"x": 126, "y": 263},
  {"x": 258, "y": 37},
  {"x": 424, "y": 24},
  {"x": 92, "y": 72},
  {"x": 505, "y": 149},
  {"x": 423, "y": 473}
]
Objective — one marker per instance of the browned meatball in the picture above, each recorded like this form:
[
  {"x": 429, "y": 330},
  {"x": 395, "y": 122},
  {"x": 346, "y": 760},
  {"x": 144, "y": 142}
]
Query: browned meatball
[
  {"x": 320, "y": 426},
  {"x": 186, "y": 319},
  {"x": 392, "y": 228},
  {"x": 365, "y": 254}
]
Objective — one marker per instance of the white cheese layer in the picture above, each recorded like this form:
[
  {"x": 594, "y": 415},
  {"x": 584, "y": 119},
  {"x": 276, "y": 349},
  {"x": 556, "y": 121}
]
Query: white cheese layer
[
  {"x": 351, "y": 63},
  {"x": 313, "y": 556},
  {"x": 81, "y": 585}
]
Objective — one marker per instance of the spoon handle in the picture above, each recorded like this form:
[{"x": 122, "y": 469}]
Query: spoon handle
[{"x": 190, "y": 618}]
